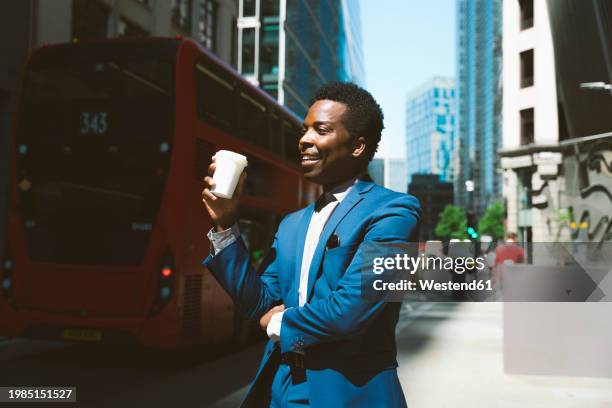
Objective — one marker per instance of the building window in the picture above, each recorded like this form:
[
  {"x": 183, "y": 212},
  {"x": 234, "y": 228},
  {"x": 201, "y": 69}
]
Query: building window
[
  {"x": 527, "y": 126},
  {"x": 234, "y": 56},
  {"x": 270, "y": 9},
  {"x": 248, "y": 51},
  {"x": 248, "y": 8},
  {"x": 207, "y": 23},
  {"x": 526, "y": 68},
  {"x": 268, "y": 47},
  {"x": 526, "y": 7},
  {"x": 126, "y": 28},
  {"x": 524, "y": 189},
  {"x": 89, "y": 19},
  {"x": 181, "y": 14}
]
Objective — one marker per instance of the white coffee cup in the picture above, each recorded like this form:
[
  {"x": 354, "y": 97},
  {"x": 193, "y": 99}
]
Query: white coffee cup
[{"x": 227, "y": 173}]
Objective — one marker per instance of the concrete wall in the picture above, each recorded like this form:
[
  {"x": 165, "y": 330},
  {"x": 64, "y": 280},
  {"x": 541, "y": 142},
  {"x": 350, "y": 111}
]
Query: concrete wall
[{"x": 562, "y": 339}]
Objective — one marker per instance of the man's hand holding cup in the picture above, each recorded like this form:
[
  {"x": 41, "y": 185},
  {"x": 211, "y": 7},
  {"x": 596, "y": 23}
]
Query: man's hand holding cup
[{"x": 223, "y": 187}]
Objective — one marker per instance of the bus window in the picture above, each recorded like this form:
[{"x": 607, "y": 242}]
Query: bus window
[
  {"x": 275, "y": 133},
  {"x": 259, "y": 175},
  {"x": 215, "y": 97},
  {"x": 291, "y": 137},
  {"x": 95, "y": 141},
  {"x": 253, "y": 118}
]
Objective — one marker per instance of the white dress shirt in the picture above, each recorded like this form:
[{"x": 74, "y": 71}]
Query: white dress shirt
[{"x": 220, "y": 240}]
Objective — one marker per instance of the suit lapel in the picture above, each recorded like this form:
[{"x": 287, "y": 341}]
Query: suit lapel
[
  {"x": 302, "y": 229},
  {"x": 350, "y": 201}
]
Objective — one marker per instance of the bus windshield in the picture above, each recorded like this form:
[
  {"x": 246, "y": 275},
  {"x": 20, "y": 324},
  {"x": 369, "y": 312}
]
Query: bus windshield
[{"x": 93, "y": 149}]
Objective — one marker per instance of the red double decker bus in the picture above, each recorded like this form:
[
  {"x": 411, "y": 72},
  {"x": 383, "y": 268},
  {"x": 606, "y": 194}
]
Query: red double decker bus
[{"x": 106, "y": 229}]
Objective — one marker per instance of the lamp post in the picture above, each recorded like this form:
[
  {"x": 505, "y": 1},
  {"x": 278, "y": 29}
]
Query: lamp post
[{"x": 469, "y": 187}]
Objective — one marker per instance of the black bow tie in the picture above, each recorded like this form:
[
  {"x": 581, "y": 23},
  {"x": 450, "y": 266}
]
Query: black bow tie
[{"x": 323, "y": 200}]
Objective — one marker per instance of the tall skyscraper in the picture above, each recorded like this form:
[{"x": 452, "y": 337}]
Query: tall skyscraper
[
  {"x": 395, "y": 175},
  {"x": 434, "y": 195},
  {"x": 479, "y": 96},
  {"x": 376, "y": 170},
  {"x": 291, "y": 47},
  {"x": 430, "y": 129}
]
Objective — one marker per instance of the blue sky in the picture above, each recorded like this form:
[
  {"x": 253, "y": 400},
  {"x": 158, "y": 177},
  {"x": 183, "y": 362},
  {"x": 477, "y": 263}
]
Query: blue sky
[{"x": 405, "y": 43}]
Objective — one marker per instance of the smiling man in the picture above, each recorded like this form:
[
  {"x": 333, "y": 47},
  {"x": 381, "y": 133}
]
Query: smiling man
[{"x": 329, "y": 346}]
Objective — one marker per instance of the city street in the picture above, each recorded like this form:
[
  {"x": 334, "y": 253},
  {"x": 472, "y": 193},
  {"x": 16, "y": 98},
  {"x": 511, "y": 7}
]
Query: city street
[
  {"x": 450, "y": 355},
  {"x": 168, "y": 165}
]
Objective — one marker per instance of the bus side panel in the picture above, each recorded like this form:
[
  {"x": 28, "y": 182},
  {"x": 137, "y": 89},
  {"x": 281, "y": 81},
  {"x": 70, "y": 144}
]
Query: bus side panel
[
  {"x": 203, "y": 312},
  {"x": 216, "y": 307}
]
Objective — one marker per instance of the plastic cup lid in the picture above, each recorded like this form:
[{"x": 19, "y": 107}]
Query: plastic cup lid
[{"x": 233, "y": 156}]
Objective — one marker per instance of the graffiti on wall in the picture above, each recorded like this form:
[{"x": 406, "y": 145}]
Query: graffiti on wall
[
  {"x": 588, "y": 192},
  {"x": 582, "y": 210}
]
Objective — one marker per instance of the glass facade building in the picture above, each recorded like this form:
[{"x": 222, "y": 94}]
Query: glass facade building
[
  {"x": 395, "y": 175},
  {"x": 479, "y": 97},
  {"x": 291, "y": 47},
  {"x": 430, "y": 129},
  {"x": 389, "y": 172},
  {"x": 376, "y": 170}
]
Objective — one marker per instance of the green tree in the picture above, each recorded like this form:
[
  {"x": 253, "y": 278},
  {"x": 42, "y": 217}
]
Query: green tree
[
  {"x": 452, "y": 223},
  {"x": 492, "y": 222}
]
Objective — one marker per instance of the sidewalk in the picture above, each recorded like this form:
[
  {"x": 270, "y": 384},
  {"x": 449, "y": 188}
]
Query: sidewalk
[{"x": 452, "y": 356}]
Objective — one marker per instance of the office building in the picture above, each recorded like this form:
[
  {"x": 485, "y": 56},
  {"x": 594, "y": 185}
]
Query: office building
[
  {"x": 479, "y": 51},
  {"x": 557, "y": 131},
  {"x": 395, "y": 174},
  {"x": 376, "y": 170},
  {"x": 291, "y": 47},
  {"x": 389, "y": 172},
  {"x": 434, "y": 195},
  {"x": 430, "y": 129},
  {"x": 530, "y": 112}
]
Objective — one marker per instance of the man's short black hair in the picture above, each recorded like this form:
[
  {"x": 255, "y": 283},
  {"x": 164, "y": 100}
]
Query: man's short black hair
[{"x": 363, "y": 116}]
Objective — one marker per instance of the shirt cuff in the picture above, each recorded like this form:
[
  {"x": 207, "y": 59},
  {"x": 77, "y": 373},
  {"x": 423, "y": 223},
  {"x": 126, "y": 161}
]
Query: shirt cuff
[
  {"x": 223, "y": 239},
  {"x": 274, "y": 326}
]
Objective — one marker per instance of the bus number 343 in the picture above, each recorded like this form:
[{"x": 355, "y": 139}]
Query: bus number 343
[{"x": 94, "y": 123}]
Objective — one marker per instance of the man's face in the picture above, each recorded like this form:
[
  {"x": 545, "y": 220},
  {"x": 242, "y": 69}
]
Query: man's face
[{"x": 328, "y": 153}]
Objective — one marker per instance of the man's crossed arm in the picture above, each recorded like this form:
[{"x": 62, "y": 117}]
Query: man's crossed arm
[{"x": 343, "y": 313}]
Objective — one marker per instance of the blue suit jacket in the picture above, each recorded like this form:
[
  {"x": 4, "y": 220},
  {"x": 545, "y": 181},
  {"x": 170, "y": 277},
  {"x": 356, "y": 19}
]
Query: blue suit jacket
[{"x": 349, "y": 342}]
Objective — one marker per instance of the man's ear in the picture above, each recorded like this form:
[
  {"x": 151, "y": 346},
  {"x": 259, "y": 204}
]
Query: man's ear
[{"x": 359, "y": 147}]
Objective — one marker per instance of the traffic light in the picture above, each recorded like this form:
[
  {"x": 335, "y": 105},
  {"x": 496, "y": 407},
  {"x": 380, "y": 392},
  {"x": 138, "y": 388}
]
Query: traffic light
[
  {"x": 472, "y": 232},
  {"x": 471, "y": 226}
]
